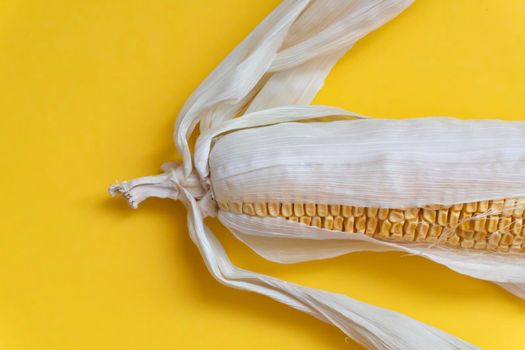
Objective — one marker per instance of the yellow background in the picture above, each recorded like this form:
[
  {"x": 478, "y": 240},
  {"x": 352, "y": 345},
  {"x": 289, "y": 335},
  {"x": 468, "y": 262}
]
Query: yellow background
[{"x": 89, "y": 91}]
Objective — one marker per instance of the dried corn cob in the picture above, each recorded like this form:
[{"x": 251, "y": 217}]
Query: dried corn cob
[
  {"x": 462, "y": 225},
  {"x": 439, "y": 190},
  {"x": 296, "y": 180},
  {"x": 447, "y": 190}
]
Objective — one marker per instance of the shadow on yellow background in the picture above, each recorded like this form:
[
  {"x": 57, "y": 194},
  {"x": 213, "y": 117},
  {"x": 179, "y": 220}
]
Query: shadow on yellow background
[{"x": 89, "y": 92}]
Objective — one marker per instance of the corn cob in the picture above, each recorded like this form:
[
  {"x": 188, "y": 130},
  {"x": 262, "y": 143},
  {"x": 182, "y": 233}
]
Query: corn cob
[
  {"x": 311, "y": 174},
  {"x": 290, "y": 179},
  {"x": 449, "y": 190},
  {"x": 376, "y": 185},
  {"x": 462, "y": 225}
]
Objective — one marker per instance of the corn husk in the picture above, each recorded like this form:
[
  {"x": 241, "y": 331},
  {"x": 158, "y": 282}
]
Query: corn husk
[{"x": 261, "y": 141}]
